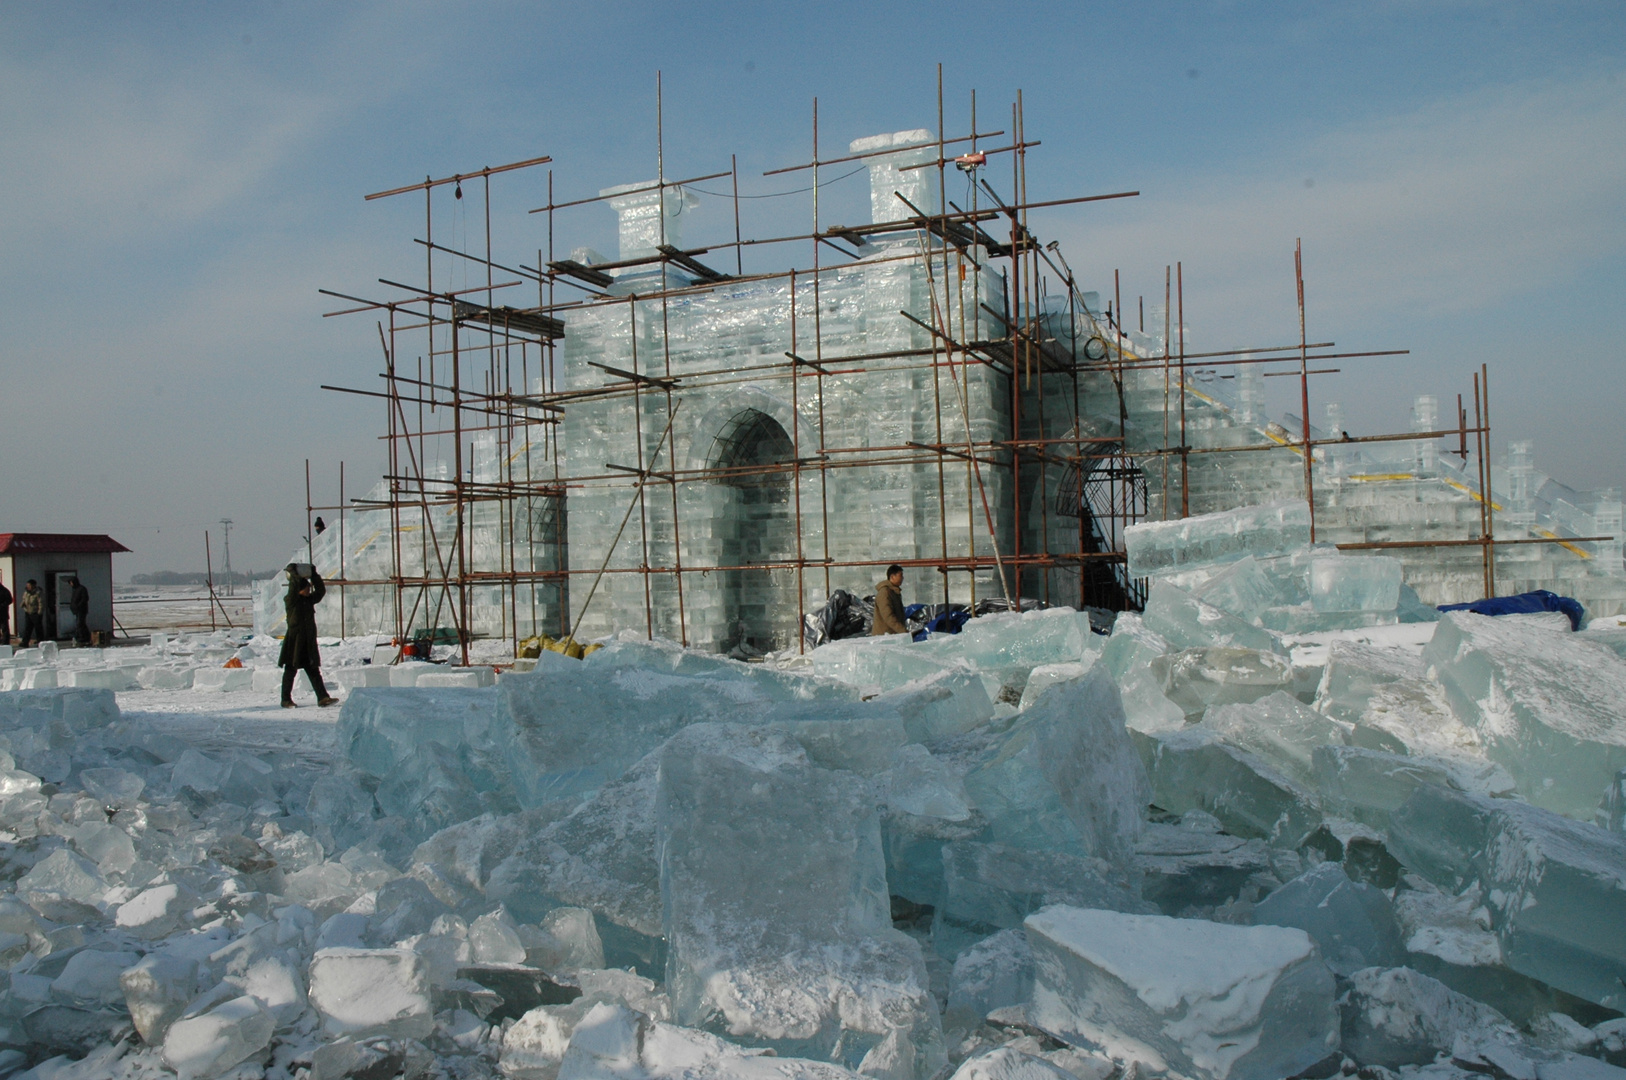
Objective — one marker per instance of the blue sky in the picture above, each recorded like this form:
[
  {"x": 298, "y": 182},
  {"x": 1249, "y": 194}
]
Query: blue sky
[{"x": 180, "y": 179}]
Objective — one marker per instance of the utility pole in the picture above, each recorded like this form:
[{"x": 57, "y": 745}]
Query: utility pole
[{"x": 226, "y": 524}]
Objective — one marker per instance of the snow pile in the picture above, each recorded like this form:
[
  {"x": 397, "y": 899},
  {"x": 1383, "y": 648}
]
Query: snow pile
[{"x": 1201, "y": 847}]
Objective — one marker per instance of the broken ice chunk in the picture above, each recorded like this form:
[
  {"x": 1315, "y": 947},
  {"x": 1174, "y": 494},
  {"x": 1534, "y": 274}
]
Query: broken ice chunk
[
  {"x": 1065, "y": 776},
  {"x": 156, "y": 991},
  {"x": 1397, "y": 1016},
  {"x": 1183, "y": 868},
  {"x": 117, "y": 788},
  {"x": 371, "y": 992},
  {"x": 1243, "y": 589},
  {"x": 1368, "y": 785},
  {"x": 1556, "y": 887},
  {"x": 1127, "y": 656},
  {"x": 924, "y": 786},
  {"x": 1279, "y": 729},
  {"x": 774, "y": 900},
  {"x": 63, "y": 886},
  {"x": 1185, "y": 622},
  {"x": 1353, "y": 924},
  {"x": 1549, "y": 707},
  {"x": 948, "y": 703},
  {"x": 1196, "y": 770},
  {"x": 994, "y": 973},
  {"x": 1198, "y": 998},
  {"x": 91, "y": 978},
  {"x": 1188, "y": 543},
  {"x": 1355, "y": 583},
  {"x": 1195, "y": 679},
  {"x": 1009, "y": 1063},
  {"x": 207, "y": 1046},
  {"x": 988, "y": 887}
]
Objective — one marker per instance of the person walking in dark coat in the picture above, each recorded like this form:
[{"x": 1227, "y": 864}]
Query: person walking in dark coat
[
  {"x": 299, "y": 652},
  {"x": 33, "y": 614},
  {"x": 5, "y": 614},
  {"x": 79, "y": 604},
  {"x": 889, "y": 618}
]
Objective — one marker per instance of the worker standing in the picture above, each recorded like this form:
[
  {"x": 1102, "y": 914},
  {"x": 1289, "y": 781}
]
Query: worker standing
[
  {"x": 33, "y": 614},
  {"x": 889, "y": 617},
  {"x": 299, "y": 651},
  {"x": 79, "y": 604},
  {"x": 5, "y": 614}
]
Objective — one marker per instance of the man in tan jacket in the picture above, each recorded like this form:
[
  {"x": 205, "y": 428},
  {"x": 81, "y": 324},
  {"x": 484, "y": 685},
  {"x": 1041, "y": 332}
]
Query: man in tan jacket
[{"x": 889, "y": 603}]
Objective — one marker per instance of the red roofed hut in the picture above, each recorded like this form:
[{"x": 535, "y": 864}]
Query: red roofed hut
[{"x": 51, "y": 559}]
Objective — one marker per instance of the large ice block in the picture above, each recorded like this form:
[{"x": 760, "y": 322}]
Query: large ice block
[
  {"x": 1128, "y": 657},
  {"x": 1278, "y": 729},
  {"x": 1556, "y": 887},
  {"x": 1353, "y": 924},
  {"x": 1065, "y": 776},
  {"x": 1186, "y": 622},
  {"x": 1157, "y": 547},
  {"x": 612, "y": 1040},
  {"x": 1397, "y": 1016},
  {"x": 1196, "y": 770},
  {"x": 1184, "y": 869},
  {"x": 1355, "y": 583},
  {"x": 1196, "y": 679},
  {"x": 1369, "y": 785},
  {"x": 1197, "y": 998},
  {"x": 1549, "y": 707},
  {"x": 990, "y": 887},
  {"x": 371, "y": 992},
  {"x": 774, "y": 901},
  {"x": 995, "y": 973},
  {"x": 1243, "y": 589},
  {"x": 208, "y": 1045}
]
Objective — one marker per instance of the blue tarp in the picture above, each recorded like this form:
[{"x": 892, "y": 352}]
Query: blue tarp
[{"x": 1525, "y": 604}]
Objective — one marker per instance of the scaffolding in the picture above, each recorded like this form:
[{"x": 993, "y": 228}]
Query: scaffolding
[{"x": 1041, "y": 493}]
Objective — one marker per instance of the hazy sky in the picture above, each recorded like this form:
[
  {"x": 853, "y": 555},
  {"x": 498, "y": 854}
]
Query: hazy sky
[{"x": 178, "y": 180}]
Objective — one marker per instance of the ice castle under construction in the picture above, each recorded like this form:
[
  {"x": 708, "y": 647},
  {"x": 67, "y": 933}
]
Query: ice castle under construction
[{"x": 667, "y": 445}]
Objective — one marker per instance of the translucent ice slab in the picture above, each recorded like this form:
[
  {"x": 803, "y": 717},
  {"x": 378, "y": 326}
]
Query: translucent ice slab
[
  {"x": 1548, "y": 707},
  {"x": 774, "y": 901},
  {"x": 1355, "y": 582},
  {"x": 1197, "y": 679},
  {"x": 1128, "y": 656},
  {"x": 1279, "y": 729},
  {"x": 1369, "y": 785},
  {"x": 1260, "y": 531},
  {"x": 990, "y": 887},
  {"x": 1196, "y": 770},
  {"x": 1353, "y": 924},
  {"x": 1185, "y": 622},
  {"x": 1065, "y": 776},
  {"x": 1191, "y": 997},
  {"x": 1557, "y": 888}
]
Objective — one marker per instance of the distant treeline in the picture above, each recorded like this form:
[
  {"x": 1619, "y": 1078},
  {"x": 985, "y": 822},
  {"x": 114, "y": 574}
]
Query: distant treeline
[{"x": 171, "y": 577}]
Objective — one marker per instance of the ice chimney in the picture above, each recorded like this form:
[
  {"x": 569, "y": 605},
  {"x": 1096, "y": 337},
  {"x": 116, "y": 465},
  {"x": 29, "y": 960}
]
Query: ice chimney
[
  {"x": 643, "y": 227},
  {"x": 888, "y": 180}
]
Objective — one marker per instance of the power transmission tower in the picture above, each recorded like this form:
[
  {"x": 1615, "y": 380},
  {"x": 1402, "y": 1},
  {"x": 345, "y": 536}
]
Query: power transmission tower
[{"x": 226, "y": 524}]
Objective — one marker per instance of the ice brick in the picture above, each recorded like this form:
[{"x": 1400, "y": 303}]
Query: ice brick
[
  {"x": 1397, "y": 1016},
  {"x": 1369, "y": 785},
  {"x": 1278, "y": 729},
  {"x": 1065, "y": 776},
  {"x": 948, "y": 703},
  {"x": 774, "y": 900},
  {"x": 1183, "y": 868},
  {"x": 371, "y": 992},
  {"x": 995, "y": 973},
  {"x": 207, "y": 1046},
  {"x": 1198, "y": 998},
  {"x": 1549, "y": 707},
  {"x": 1128, "y": 656},
  {"x": 1196, "y": 770},
  {"x": 1355, "y": 583},
  {"x": 1196, "y": 679},
  {"x": 1243, "y": 589},
  {"x": 1556, "y": 887},
  {"x": 1353, "y": 924},
  {"x": 990, "y": 887},
  {"x": 1156, "y": 547},
  {"x": 1186, "y": 622}
]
